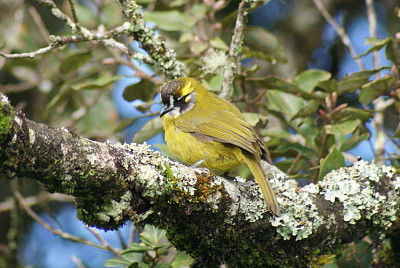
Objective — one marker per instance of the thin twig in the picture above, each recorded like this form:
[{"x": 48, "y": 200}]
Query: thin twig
[
  {"x": 102, "y": 241},
  {"x": 13, "y": 88},
  {"x": 78, "y": 262},
  {"x": 28, "y": 54},
  {"x": 58, "y": 13},
  {"x": 59, "y": 41},
  {"x": 138, "y": 71},
  {"x": 294, "y": 163},
  {"x": 27, "y": 208},
  {"x": 74, "y": 16},
  {"x": 44, "y": 197},
  {"x": 341, "y": 32},
  {"x": 234, "y": 50},
  {"x": 380, "y": 106},
  {"x": 105, "y": 37},
  {"x": 132, "y": 233},
  {"x": 372, "y": 30}
]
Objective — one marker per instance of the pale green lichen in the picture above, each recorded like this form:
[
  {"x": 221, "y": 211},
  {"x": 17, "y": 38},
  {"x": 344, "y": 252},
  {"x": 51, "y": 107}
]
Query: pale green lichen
[
  {"x": 186, "y": 179},
  {"x": 32, "y": 136},
  {"x": 214, "y": 62},
  {"x": 396, "y": 183},
  {"x": 150, "y": 180},
  {"x": 92, "y": 158},
  {"x": 299, "y": 220},
  {"x": 353, "y": 187},
  {"x": 114, "y": 209}
]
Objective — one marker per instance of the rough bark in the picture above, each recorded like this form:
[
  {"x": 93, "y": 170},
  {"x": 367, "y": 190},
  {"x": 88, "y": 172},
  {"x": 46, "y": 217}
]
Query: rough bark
[{"x": 215, "y": 219}]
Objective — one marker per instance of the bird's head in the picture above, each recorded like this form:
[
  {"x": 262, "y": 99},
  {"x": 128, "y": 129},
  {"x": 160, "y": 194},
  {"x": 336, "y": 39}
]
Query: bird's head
[{"x": 179, "y": 96}]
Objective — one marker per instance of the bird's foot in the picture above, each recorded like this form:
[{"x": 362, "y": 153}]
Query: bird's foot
[
  {"x": 198, "y": 169},
  {"x": 197, "y": 164}
]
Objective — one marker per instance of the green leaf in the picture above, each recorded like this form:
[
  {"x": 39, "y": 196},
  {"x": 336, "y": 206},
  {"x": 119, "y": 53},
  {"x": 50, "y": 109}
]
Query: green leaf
[
  {"x": 100, "y": 118},
  {"x": 27, "y": 74},
  {"x": 63, "y": 94},
  {"x": 151, "y": 235},
  {"x": 249, "y": 52},
  {"x": 218, "y": 43},
  {"x": 396, "y": 134},
  {"x": 351, "y": 113},
  {"x": 117, "y": 262},
  {"x": 375, "y": 88},
  {"x": 138, "y": 248},
  {"x": 124, "y": 123},
  {"x": 133, "y": 257},
  {"x": 275, "y": 82},
  {"x": 357, "y": 255},
  {"x": 308, "y": 80},
  {"x": 353, "y": 141},
  {"x": 356, "y": 80},
  {"x": 199, "y": 47},
  {"x": 172, "y": 20},
  {"x": 143, "y": 90},
  {"x": 333, "y": 160},
  {"x": 144, "y": 2},
  {"x": 285, "y": 103},
  {"x": 214, "y": 83},
  {"x": 391, "y": 52},
  {"x": 283, "y": 148},
  {"x": 181, "y": 260},
  {"x": 149, "y": 130},
  {"x": 328, "y": 85},
  {"x": 87, "y": 16},
  {"x": 309, "y": 109},
  {"x": 254, "y": 118},
  {"x": 377, "y": 44},
  {"x": 343, "y": 128},
  {"x": 309, "y": 130},
  {"x": 99, "y": 82},
  {"x": 265, "y": 43},
  {"x": 74, "y": 60}
]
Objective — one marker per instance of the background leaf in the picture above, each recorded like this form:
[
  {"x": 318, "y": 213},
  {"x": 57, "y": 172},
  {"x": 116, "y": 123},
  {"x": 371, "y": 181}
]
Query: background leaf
[
  {"x": 334, "y": 160},
  {"x": 309, "y": 79},
  {"x": 149, "y": 130},
  {"x": 143, "y": 90}
]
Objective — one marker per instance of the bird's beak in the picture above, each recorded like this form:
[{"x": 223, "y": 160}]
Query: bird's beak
[{"x": 166, "y": 109}]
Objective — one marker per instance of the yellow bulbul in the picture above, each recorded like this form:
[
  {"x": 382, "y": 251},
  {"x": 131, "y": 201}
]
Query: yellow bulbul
[{"x": 203, "y": 129}]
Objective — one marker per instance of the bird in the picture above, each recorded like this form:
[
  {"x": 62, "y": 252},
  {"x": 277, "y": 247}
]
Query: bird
[{"x": 204, "y": 130}]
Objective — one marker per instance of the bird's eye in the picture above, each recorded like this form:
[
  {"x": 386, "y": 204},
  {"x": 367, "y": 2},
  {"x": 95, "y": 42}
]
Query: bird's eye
[{"x": 181, "y": 99}]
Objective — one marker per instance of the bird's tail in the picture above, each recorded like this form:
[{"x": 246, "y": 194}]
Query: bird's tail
[{"x": 266, "y": 188}]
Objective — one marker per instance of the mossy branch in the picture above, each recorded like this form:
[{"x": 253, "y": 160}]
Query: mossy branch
[
  {"x": 215, "y": 219},
  {"x": 152, "y": 43}
]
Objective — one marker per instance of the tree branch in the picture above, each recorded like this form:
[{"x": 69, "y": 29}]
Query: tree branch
[
  {"x": 235, "y": 49},
  {"x": 203, "y": 214},
  {"x": 341, "y": 32},
  {"x": 152, "y": 43}
]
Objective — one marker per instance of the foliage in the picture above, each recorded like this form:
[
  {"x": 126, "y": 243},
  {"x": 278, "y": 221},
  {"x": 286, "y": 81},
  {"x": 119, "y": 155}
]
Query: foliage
[{"x": 149, "y": 252}]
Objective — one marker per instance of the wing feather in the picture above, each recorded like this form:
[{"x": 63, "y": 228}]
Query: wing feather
[{"x": 222, "y": 126}]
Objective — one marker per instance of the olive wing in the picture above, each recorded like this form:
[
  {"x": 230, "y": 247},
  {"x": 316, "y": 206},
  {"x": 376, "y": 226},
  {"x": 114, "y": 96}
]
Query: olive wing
[{"x": 222, "y": 126}]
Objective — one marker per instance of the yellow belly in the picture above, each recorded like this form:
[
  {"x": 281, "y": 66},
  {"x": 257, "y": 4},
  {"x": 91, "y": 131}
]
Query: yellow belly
[{"x": 216, "y": 156}]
